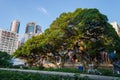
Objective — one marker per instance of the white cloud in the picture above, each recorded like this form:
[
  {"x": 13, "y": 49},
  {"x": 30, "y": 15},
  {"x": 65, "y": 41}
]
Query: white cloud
[{"x": 43, "y": 10}]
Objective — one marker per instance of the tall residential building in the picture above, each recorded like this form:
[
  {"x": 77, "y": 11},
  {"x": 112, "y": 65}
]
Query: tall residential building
[
  {"x": 116, "y": 27},
  {"x": 15, "y": 26},
  {"x": 32, "y": 29},
  {"x": 8, "y": 41}
]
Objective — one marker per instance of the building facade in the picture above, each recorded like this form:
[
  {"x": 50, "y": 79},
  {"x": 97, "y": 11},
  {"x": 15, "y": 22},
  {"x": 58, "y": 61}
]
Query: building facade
[
  {"x": 15, "y": 26},
  {"x": 32, "y": 29},
  {"x": 38, "y": 29},
  {"x": 8, "y": 41},
  {"x": 116, "y": 27}
]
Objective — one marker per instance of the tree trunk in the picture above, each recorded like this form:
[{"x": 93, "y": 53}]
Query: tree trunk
[{"x": 62, "y": 61}]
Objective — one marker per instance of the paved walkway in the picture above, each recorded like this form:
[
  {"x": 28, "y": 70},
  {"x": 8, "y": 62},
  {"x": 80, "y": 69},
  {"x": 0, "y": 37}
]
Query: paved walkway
[{"x": 95, "y": 77}]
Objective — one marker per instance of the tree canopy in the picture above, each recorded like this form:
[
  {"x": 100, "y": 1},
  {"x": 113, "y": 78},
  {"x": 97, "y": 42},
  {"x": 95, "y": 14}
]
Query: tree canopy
[
  {"x": 84, "y": 31},
  {"x": 4, "y": 59}
]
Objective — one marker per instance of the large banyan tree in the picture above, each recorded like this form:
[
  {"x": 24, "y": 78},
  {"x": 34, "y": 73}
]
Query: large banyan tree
[{"x": 84, "y": 31}]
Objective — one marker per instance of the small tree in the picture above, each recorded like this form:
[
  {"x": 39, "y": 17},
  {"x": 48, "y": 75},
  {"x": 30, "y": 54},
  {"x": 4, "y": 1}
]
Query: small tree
[{"x": 4, "y": 59}]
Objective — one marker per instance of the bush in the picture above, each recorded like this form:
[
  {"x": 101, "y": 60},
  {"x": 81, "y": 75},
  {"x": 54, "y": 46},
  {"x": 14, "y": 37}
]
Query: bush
[
  {"x": 104, "y": 71},
  {"x": 14, "y": 75},
  {"x": 71, "y": 70},
  {"x": 4, "y": 59},
  {"x": 36, "y": 68}
]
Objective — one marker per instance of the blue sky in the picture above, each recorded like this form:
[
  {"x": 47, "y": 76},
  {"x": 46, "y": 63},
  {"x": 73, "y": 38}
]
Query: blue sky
[{"x": 43, "y": 12}]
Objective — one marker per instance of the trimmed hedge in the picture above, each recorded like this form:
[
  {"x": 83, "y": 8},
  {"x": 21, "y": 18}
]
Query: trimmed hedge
[
  {"x": 11, "y": 75},
  {"x": 70, "y": 70}
]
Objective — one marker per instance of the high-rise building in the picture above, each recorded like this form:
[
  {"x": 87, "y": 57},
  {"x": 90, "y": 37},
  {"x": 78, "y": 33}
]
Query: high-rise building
[
  {"x": 38, "y": 29},
  {"x": 8, "y": 41},
  {"x": 32, "y": 29},
  {"x": 15, "y": 26}
]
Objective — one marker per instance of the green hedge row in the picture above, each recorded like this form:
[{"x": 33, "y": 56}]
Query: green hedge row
[
  {"x": 104, "y": 71},
  {"x": 11, "y": 75},
  {"x": 14, "y": 75},
  {"x": 71, "y": 70}
]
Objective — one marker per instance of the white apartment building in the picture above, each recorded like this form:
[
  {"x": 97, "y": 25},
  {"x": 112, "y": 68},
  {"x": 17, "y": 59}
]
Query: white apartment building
[
  {"x": 115, "y": 26},
  {"x": 8, "y": 41}
]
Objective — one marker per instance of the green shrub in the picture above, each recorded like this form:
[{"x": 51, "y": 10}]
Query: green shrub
[
  {"x": 4, "y": 59},
  {"x": 71, "y": 70},
  {"x": 14, "y": 75},
  {"x": 104, "y": 71}
]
